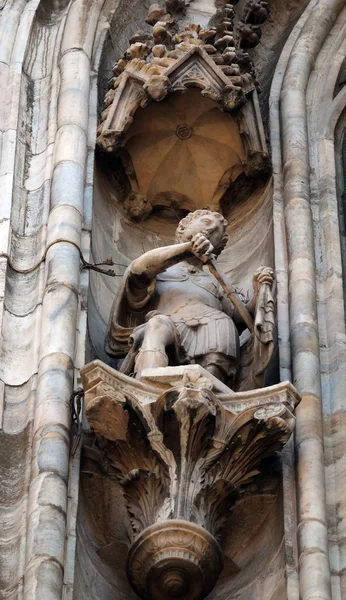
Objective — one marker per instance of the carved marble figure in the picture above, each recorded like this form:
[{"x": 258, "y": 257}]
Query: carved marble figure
[{"x": 170, "y": 311}]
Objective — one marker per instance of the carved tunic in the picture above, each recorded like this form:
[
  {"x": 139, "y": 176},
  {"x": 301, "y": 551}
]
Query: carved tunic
[
  {"x": 191, "y": 298},
  {"x": 202, "y": 325}
]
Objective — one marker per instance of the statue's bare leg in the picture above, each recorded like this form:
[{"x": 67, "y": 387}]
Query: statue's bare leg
[
  {"x": 221, "y": 366},
  {"x": 159, "y": 333}
]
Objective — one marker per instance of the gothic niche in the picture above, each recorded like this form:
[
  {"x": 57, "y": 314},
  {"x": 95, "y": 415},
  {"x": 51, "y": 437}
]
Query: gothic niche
[
  {"x": 186, "y": 416},
  {"x": 185, "y": 103}
]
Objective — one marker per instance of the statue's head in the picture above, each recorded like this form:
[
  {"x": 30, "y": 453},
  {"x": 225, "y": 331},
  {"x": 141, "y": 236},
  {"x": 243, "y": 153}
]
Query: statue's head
[{"x": 211, "y": 224}]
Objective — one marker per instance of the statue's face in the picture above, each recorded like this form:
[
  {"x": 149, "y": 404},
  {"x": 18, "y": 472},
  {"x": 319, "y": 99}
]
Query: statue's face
[{"x": 208, "y": 225}]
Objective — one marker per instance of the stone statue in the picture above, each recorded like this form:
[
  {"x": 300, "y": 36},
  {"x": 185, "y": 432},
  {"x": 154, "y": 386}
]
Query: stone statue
[{"x": 170, "y": 311}]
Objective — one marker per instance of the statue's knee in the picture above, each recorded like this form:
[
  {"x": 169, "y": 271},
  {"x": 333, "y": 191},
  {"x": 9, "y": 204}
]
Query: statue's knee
[
  {"x": 157, "y": 322},
  {"x": 160, "y": 326}
]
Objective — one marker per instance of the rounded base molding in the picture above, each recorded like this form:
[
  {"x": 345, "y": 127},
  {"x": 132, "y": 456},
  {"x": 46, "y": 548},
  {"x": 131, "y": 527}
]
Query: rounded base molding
[{"x": 174, "y": 559}]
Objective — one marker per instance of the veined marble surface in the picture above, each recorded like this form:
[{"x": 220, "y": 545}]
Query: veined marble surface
[{"x": 50, "y": 56}]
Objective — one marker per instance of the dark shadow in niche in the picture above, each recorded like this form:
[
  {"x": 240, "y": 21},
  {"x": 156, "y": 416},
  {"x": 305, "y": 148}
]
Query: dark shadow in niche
[{"x": 240, "y": 189}]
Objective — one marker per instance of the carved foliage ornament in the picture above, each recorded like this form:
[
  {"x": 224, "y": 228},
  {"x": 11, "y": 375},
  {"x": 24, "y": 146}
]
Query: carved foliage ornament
[
  {"x": 204, "y": 74},
  {"x": 212, "y": 59},
  {"x": 139, "y": 84},
  {"x": 182, "y": 462}
]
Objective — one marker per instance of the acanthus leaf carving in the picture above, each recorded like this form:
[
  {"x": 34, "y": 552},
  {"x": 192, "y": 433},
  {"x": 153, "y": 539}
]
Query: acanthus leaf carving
[
  {"x": 140, "y": 463},
  {"x": 182, "y": 462}
]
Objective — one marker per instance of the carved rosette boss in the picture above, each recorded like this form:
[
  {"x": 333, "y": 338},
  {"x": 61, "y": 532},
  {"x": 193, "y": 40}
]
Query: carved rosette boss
[{"x": 182, "y": 461}]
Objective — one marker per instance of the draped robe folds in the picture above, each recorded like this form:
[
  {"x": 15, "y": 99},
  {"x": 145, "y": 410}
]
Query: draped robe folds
[{"x": 264, "y": 332}]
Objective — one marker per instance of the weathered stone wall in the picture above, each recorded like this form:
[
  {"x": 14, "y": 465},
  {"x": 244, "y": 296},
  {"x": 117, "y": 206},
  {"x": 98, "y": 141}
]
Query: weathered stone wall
[
  {"x": 312, "y": 259},
  {"x": 50, "y": 67}
]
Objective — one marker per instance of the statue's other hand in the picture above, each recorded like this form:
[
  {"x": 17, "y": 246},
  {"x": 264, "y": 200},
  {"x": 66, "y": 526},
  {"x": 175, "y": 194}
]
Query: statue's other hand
[
  {"x": 263, "y": 275},
  {"x": 201, "y": 247}
]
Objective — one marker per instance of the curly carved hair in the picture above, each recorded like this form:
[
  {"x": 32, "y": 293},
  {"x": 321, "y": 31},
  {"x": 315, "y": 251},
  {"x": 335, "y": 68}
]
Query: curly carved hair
[{"x": 200, "y": 213}]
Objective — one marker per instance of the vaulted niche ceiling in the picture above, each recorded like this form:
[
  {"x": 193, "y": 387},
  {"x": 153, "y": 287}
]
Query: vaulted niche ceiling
[{"x": 183, "y": 152}]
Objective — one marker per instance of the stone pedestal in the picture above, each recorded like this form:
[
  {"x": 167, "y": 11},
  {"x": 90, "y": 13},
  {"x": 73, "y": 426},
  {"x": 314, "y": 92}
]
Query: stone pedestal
[{"x": 183, "y": 447}]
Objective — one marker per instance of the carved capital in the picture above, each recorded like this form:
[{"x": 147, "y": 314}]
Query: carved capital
[{"x": 182, "y": 460}]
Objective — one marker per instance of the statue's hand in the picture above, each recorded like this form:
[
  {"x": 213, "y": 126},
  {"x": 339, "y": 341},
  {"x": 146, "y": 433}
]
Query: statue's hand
[
  {"x": 263, "y": 275},
  {"x": 201, "y": 247}
]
